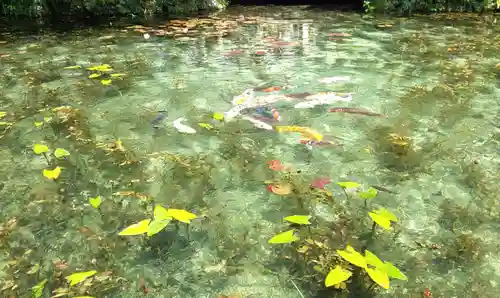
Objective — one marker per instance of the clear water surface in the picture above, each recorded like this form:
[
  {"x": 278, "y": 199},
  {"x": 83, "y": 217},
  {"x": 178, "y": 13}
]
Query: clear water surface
[{"x": 436, "y": 150}]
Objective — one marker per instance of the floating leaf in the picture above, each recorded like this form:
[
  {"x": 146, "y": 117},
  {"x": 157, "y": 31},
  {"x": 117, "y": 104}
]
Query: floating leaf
[
  {"x": 206, "y": 125},
  {"x": 285, "y": 237},
  {"x": 336, "y": 276},
  {"x": 218, "y": 116},
  {"x": 117, "y": 75},
  {"x": 73, "y": 67},
  {"x": 369, "y": 194},
  {"x": 379, "y": 277},
  {"x": 38, "y": 124},
  {"x": 47, "y": 119},
  {"x": 380, "y": 220},
  {"x": 60, "y": 153},
  {"x": 281, "y": 189},
  {"x": 95, "y": 202},
  {"x": 39, "y": 149},
  {"x": 156, "y": 226},
  {"x": 52, "y": 174},
  {"x": 372, "y": 259},
  {"x": 394, "y": 272},
  {"x": 106, "y": 82},
  {"x": 353, "y": 257},
  {"x": 3, "y": 114},
  {"x": 77, "y": 278},
  {"x": 299, "y": 219},
  {"x": 348, "y": 184},
  {"x": 136, "y": 229},
  {"x": 37, "y": 290},
  {"x": 102, "y": 67},
  {"x": 387, "y": 214},
  {"x": 181, "y": 215},
  {"x": 3, "y": 123},
  {"x": 161, "y": 213},
  {"x": 94, "y": 75}
]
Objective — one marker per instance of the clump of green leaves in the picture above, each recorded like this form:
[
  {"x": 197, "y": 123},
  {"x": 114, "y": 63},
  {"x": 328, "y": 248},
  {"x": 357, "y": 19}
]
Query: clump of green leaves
[
  {"x": 161, "y": 218},
  {"x": 59, "y": 153},
  {"x": 378, "y": 271}
]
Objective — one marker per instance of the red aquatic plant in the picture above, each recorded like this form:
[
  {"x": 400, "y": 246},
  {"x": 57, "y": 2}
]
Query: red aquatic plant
[{"x": 320, "y": 182}]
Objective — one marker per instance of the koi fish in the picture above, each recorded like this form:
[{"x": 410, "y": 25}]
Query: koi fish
[
  {"x": 159, "y": 118},
  {"x": 258, "y": 123},
  {"x": 182, "y": 127},
  {"x": 268, "y": 89},
  {"x": 273, "y": 113},
  {"x": 354, "y": 111},
  {"x": 322, "y": 98},
  {"x": 306, "y": 132}
]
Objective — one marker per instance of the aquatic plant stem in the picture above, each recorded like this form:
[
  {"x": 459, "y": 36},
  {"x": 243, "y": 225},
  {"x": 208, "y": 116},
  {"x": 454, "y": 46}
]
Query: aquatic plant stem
[
  {"x": 46, "y": 158},
  {"x": 298, "y": 290}
]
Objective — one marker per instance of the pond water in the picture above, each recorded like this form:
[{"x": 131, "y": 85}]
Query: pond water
[{"x": 431, "y": 157}]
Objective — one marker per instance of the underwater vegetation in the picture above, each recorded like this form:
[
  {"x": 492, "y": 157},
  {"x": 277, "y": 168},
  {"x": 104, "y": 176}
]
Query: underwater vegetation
[{"x": 106, "y": 195}]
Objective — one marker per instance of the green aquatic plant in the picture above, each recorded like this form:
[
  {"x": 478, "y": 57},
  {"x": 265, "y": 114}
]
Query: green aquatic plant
[
  {"x": 95, "y": 202},
  {"x": 378, "y": 271},
  {"x": 161, "y": 218},
  {"x": 383, "y": 218}
]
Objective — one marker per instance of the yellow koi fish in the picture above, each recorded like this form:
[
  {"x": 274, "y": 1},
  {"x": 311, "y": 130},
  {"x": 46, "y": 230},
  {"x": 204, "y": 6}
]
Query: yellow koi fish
[{"x": 305, "y": 132}]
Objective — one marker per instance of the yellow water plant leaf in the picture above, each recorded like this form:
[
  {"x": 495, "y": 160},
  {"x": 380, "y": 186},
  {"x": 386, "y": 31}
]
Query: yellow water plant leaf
[
  {"x": 348, "y": 184},
  {"x": 73, "y": 67},
  {"x": 218, "y": 116},
  {"x": 281, "y": 189},
  {"x": 38, "y": 124},
  {"x": 52, "y": 174},
  {"x": 161, "y": 213},
  {"x": 336, "y": 276},
  {"x": 372, "y": 259},
  {"x": 94, "y": 75},
  {"x": 37, "y": 290},
  {"x": 77, "y": 278},
  {"x": 39, "y": 148},
  {"x": 181, "y": 215},
  {"x": 285, "y": 237},
  {"x": 369, "y": 194},
  {"x": 95, "y": 202},
  {"x": 102, "y": 67},
  {"x": 47, "y": 119},
  {"x": 379, "y": 277},
  {"x": 380, "y": 220},
  {"x": 394, "y": 272},
  {"x": 156, "y": 226},
  {"x": 136, "y": 229},
  {"x": 106, "y": 82},
  {"x": 299, "y": 219},
  {"x": 60, "y": 153},
  {"x": 3, "y": 114},
  {"x": 387, "y": 214},
  {"x": 206, "y": 125},
  {"x": 352, "y": 256},
  {"x": 117, "y": 75}
]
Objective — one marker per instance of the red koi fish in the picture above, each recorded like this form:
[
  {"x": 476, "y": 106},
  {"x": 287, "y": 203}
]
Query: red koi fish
[{"x": 354, "y": 111}]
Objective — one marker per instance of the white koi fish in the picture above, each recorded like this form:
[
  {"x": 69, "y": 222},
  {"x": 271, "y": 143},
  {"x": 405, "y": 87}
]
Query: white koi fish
[{"x": 182, "y": 127}]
